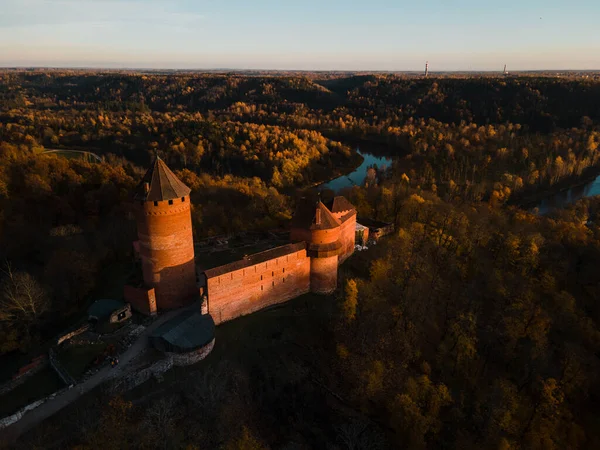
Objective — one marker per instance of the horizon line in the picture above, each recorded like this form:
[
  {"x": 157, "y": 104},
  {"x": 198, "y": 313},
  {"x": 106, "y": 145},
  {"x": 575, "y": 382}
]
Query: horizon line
[{"x": 231, "y": 69}]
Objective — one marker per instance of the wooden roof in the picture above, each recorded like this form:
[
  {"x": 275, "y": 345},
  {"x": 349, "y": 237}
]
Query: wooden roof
[
  {"x": 342, "y": 208},
  {"x": 341, "y": 204},
  {"x": 160, "y": 184},
  {"x": 314, "y": 217}
]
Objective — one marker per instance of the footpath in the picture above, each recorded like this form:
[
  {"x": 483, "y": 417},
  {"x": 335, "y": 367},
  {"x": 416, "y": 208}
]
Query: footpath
[{"x": 68, "y": 396}]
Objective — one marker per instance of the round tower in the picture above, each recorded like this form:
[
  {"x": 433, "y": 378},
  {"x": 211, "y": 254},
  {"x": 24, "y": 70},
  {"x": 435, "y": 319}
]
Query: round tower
[
  {"x": 322, "y": 233},
  {"x": 166, "y": 248}
]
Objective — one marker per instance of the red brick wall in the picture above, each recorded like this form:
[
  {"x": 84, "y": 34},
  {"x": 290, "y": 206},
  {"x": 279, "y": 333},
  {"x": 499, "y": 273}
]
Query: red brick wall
[
  {"x": 323, "y": 275},
  {"x": 247, "y": 290},
  {"x": 325, "y": 236},
  {"x": 167, "y": 251},
  {"x": 323, "y": 270},
  {"x": 348, "y": 237},
  {"x": 143, "y": 300}
]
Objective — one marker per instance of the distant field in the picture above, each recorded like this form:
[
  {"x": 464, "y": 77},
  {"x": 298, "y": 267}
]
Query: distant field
[{"x": 75, "y": 154}]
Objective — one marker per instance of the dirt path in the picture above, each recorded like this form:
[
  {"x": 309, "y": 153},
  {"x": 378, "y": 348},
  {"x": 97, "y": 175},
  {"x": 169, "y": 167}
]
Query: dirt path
[{"x": 51, "y": 407}]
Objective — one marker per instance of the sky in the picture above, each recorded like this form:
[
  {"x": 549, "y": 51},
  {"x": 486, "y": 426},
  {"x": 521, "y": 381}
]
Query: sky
[{"x": 388, "y": 35}]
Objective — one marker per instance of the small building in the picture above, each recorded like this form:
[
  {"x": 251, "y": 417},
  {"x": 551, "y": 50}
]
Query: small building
[
  {"x": 187, "y": 338},
  {"x": 362, "y": 234},
  {"x": 109, "y": 311},
  {"x": 377, "y": 229}
]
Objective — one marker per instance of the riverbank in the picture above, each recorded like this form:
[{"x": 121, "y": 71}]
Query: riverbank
[
  {"x": 534, "y": 199},
  {"x": 331, "y": 173},
  {"x": 379, "y": 145}
]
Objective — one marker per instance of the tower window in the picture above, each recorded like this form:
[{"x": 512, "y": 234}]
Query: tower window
[
  {"x": 182, "y": 199},
  {"x": 284, "y": 270},
  {"x": 273, "y": 274},
  {"x": 155, "y": 203},
  {"x": 170, "y": 202},
  {"x": 261, "y": 287},
  {"x": 283, "y": 280},
  {"x": 273, "y": 284},
  {"x": 261, "y": 277}
]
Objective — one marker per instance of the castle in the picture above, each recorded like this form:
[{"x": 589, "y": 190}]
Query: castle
[{"x": 322, "y": 236}]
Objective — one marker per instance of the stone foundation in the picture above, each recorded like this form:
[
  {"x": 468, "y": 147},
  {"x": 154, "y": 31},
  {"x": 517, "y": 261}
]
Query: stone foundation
[{"x": 189, "y": 358}]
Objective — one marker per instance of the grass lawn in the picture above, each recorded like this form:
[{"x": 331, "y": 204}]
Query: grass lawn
[
  {"x": 110, "y": 285},
  {"x": 270, "y": 358},
  {"x": 40, "y": 385},
  {"x": 78, "y": 358},
  {"x": 254, "y": 340}
]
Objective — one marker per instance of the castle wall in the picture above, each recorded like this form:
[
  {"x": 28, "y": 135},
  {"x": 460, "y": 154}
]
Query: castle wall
[
  {"x": 167, "y": 251},
  {"x": 328, "y": 236},
  {"x": 244, "y": 291},
  {"x": 348, "y": 237},
  {"x": 189, "y": 358},
  {"x": 324, "y": 250},
  {"x": 143, "y": 300},
  {"x": 323, "y": 275}
]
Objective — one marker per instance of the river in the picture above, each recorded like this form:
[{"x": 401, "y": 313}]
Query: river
[
  {"x": 553, "y": 201},
  {"x": 565, "y": 198},
  {"x": 357, "y": 177}
]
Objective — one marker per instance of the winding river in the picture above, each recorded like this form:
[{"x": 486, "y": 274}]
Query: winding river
[
  {"x": 553, "y": 201},
  {"x": 357, "y": 177},
  {"x": 565, "y": 198}
]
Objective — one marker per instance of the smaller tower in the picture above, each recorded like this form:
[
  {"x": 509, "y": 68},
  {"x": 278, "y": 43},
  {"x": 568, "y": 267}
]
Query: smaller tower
[
  {"x": 321, "y": 231},
  {"x": 505, "y": 73},
  {"x": 426, "y": 69}
]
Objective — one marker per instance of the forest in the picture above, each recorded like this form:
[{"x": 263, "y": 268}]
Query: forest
[{"x": 475, "y": 325}]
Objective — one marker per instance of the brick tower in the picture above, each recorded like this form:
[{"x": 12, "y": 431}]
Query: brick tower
[
  {"x": 318, "y": 227},
  {"x": 166, "y": 247},
  {"x": 345, "y": 212}
]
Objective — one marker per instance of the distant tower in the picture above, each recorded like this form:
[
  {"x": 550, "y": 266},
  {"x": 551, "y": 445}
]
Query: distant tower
[
  {"x": 321, "y": 231},
  {"x": 505, "y": 72},
  {"x": 426, "y": 69},
  {"x": 166, "y": 248}
]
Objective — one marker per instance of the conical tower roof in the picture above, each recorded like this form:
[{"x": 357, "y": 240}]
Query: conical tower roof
[
  {"x": 160, "y": 184},
  {"x": 314, "y": 218}
]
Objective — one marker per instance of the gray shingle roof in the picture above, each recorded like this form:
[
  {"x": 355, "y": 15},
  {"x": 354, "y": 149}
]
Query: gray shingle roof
[
  {"x": 160, "y": 184},
  {"x": 102, "y": 309},
  {"x": 185, "y": 332}
]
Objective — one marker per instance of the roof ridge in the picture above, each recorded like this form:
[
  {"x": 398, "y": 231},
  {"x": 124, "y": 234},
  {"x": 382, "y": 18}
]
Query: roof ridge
[
  {"x": 160, "y": 183},
  {"x": 329, "y": 217},
  {"x": 156, "y": 173}
]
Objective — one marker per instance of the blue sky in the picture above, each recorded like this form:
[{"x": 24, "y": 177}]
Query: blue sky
[{"x": 309, "y": 34}]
